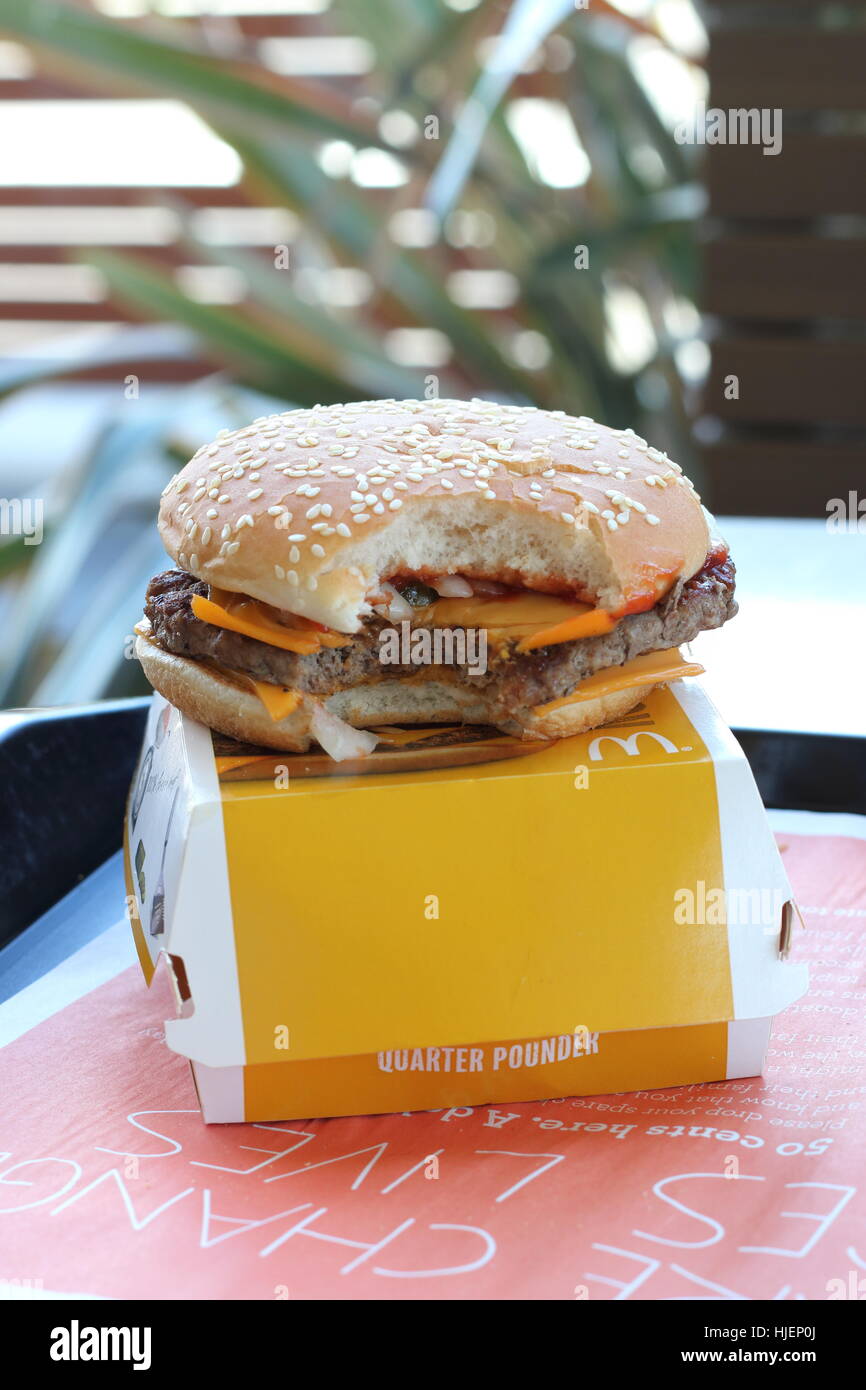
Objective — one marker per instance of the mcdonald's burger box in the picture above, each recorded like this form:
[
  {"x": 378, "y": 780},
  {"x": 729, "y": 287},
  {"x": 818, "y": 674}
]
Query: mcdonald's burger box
[{"x": 461, "y": 917}]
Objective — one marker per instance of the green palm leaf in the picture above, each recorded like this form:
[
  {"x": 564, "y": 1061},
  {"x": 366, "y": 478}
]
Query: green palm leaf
[{"x": 239, "y": 96}]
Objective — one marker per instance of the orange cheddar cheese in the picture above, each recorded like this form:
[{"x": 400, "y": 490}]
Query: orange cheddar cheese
[
  {"x": 538, "y": 620},
  {"x": 278, "y": 702},
  {"x": 518, "y": 614},
  {"x": 534, "y": 619},
  {"x": 653, "y": 668},
  {"x": 252, "y": 619},
  {"x": 590, "y": 624}
]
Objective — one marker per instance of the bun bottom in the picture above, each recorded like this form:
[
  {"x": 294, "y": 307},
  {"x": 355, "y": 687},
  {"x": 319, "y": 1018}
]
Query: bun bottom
[{"x": 219, "y": 702}]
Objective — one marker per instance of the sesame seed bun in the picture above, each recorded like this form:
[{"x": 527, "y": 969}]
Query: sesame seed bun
[
  {"x": 310, "y": 509},
  {"x": 213, "y": 699}
]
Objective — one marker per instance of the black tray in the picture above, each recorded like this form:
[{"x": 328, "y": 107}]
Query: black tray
[{"x": 66, "y": 773}]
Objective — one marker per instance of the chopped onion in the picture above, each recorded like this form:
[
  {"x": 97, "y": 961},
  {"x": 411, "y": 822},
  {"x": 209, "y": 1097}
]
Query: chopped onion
[
  {"x": 339, "y": 740},
  {"x": 400, "y": 610},
  {"x": 452, "y": 586},
  {"x": 393, "y": 605}
]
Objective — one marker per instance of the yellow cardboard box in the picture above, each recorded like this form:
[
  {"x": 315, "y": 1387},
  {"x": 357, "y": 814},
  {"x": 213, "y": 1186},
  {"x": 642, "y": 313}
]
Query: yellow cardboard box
[{"x": 462, "y": 917}]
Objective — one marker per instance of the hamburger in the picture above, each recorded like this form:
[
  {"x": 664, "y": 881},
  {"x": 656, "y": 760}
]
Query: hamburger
[{"x": 319, "y": 551}]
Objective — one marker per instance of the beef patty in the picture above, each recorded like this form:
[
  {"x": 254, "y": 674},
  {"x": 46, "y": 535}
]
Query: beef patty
[{"x": 515, "y": 681}]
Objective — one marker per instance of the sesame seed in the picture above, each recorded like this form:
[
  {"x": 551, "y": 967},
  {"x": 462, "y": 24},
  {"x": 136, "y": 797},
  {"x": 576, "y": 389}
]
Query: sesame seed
[
  {"x": 212, "y": 512},
  {"x": 206, "y": 535},
  {"x": 292, "y": 577},
  {"x": 326, "y": 509},
  {"x": 342, "y": 529},
  {"x": 394, "y": 505},
  {"x": 319, "y": 526},
  {"x": 233, "y": 547},
  {"x": 242, "y": 521},
  {"x": 318, "y": 551},
  {"x": 490, "y": 495},
  {"x": 276, "y": 511},
  {"x": 567, "y": 517},
  {"x": 379, "y": 508},
  {"x": 314, "y": 511},
  {"x": 193, "y": 560},
  {"x": 312, "y": 583},
  {"x": 297, "y": 538},
  {"x": 446, "y": 482},
  {"x": 224, "y": 497},
  {"x": 256, "y": 492},
  {"x": 611, "y": 525},
  {"x": 279, "y": 572},
  {"x": 361, "y": 518},
  {"x": 653, "y": 520}
]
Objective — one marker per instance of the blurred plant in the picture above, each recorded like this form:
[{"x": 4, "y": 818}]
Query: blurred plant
[{"x": 476, "y": 200}]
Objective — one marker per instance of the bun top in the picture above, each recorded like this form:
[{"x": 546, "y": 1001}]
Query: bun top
[{"x": 311, "y": 509}]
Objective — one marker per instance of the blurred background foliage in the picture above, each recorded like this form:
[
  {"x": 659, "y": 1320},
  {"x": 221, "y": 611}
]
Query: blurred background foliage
[{"x": 445, "y": 235}]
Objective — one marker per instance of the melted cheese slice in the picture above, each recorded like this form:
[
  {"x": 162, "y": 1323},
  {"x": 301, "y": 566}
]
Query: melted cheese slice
[
  {"x": 252, "y": 619},
  {"x": 653, "y": 668},
  {"x": 527, "y": 611},
  {"x": 532, "y": 619},
  {"x": 277, "y": 699},
  {"x": 591, "y": 624},
  {"x": 536, "y": 620},
  {"x": 278, "y": 702}
]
